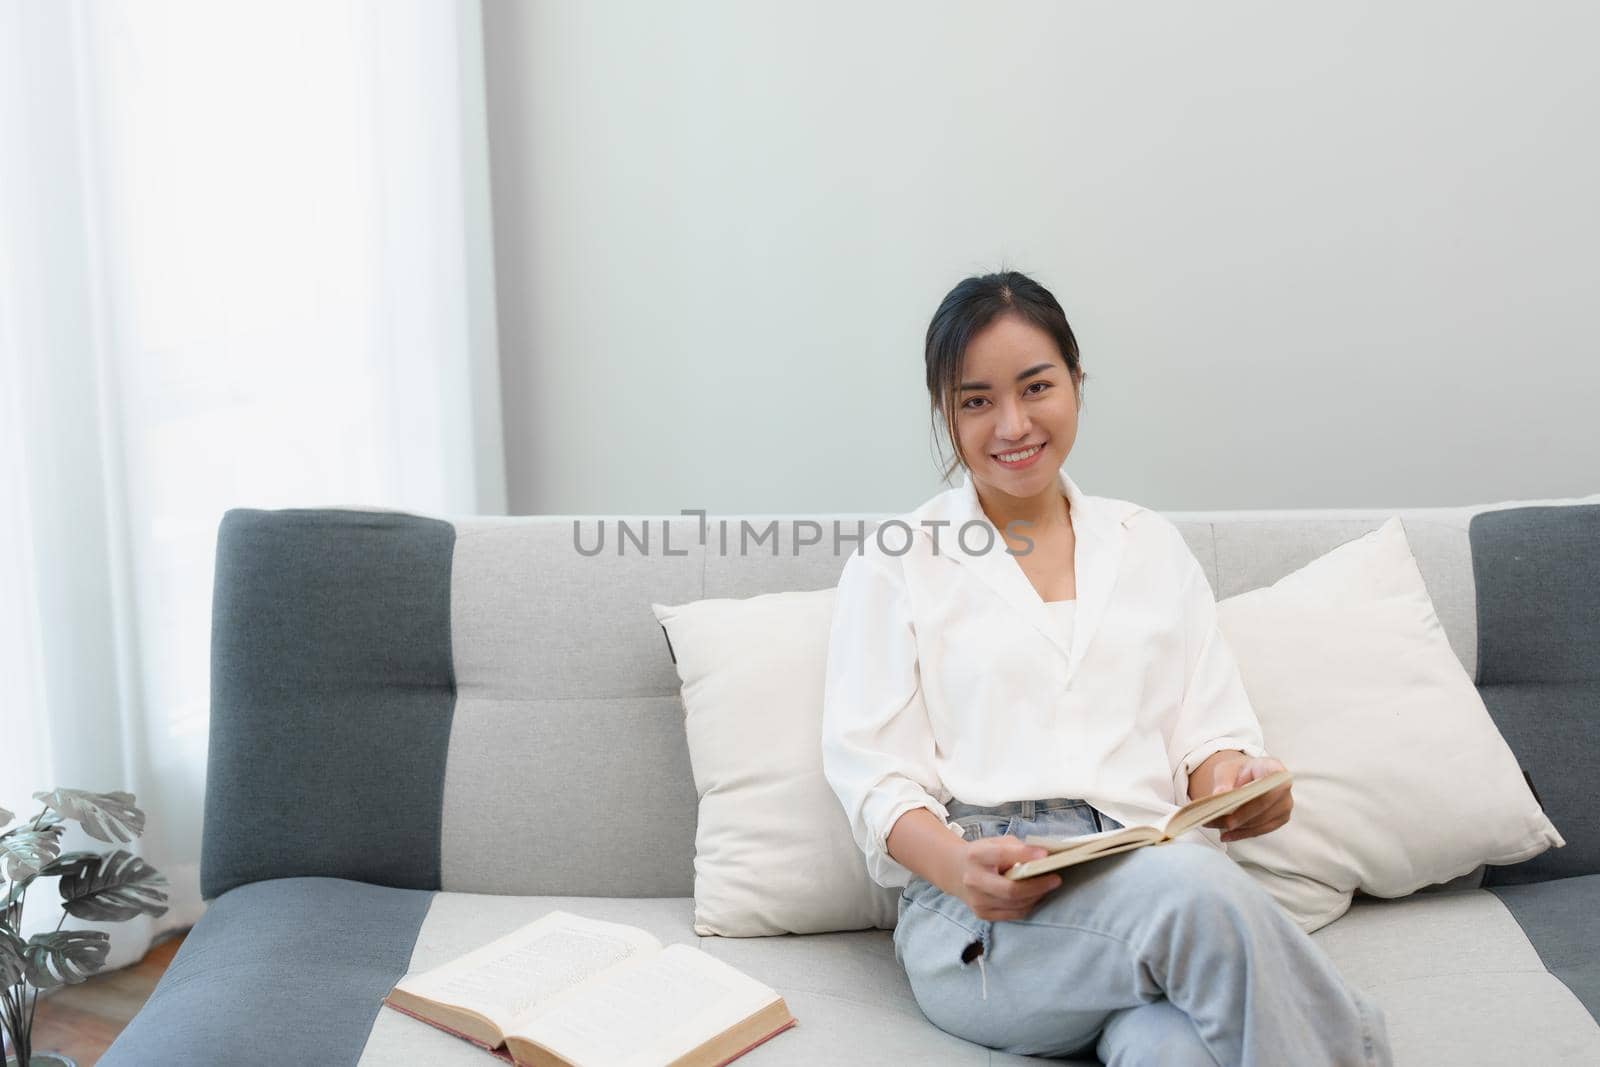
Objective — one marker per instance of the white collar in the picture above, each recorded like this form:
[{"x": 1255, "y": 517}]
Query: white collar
[{"x": 1098, "y": 529}]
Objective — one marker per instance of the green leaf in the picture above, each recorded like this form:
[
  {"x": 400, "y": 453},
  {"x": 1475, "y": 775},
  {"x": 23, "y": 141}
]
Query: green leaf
[
  {"x": 25, "y": 851},
  {"x": 13, "y": 961},
  {"x": 65, "y": 957},
  {"x": 106, "y": 817},
  {"x": 67, "y": 861},
  {"x": 11, "y": 905},
  {"x": 5, "y": 816},
  {"x": 112, "y": 888}
]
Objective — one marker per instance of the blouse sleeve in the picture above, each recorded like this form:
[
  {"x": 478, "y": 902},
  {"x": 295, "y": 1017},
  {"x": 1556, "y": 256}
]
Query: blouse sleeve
[
  {"x": 877, "y": 744},
  {"x": 1215, "y": 713}
]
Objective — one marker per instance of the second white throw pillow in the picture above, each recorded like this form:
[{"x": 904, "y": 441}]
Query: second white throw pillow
[{"x": 1401, "y": 777}]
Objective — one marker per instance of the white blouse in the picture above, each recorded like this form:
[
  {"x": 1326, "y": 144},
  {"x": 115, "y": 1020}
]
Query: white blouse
[
  {"x": 1063, "y": 610},
  {"x": 948, "y": 677}
]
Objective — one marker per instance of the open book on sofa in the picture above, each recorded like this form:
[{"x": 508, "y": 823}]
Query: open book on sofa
[
  {"x": 566, "y": 991},
  {"x": 1066, "y": 851}
]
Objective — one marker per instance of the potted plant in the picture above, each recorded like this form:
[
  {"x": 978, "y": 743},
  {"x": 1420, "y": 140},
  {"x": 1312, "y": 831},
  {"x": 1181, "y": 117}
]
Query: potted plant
[{"x": 108, "y": 887}]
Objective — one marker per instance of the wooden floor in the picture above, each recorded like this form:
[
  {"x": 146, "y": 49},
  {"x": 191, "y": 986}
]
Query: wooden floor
[{"x": 82, "y": 1020}]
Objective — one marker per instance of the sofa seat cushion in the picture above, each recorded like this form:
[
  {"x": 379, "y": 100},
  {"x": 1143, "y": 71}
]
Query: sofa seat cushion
[
  {"x": 1481, "y": 976},
  {"x": 294, "y": 971},
  {"x": 849, "y": 995},
  {"x": 284, "y": 971},
  {"x": 1560, "y": 918}
]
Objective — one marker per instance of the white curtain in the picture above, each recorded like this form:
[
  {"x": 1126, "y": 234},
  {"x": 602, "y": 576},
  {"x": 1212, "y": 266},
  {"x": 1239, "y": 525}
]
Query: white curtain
[{"x": 244, "y": 261}]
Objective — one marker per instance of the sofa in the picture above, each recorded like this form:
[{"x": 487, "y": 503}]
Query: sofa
[{"x": 427, "y": 732}]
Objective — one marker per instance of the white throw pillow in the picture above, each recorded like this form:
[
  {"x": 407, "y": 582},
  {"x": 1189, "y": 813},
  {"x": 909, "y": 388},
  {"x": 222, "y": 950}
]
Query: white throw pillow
[
  {"x": 1401, "y": 779},
  {"x": 773, "y": 850}
]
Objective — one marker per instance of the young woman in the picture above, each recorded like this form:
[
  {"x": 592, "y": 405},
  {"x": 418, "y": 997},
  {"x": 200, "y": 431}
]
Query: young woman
[{"x": 1017, "y": 658}]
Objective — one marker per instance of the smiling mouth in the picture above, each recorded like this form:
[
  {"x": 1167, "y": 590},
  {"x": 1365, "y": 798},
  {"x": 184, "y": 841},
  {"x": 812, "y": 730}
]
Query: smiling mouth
[{"x": 1019, "y": 455}]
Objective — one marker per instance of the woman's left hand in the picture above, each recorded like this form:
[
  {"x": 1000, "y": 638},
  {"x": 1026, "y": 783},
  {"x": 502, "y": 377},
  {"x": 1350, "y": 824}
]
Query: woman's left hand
[{"x": 1262, "y": 815}]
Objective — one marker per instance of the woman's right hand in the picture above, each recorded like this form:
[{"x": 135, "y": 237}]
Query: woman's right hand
[{"x": 979, "y": 880}]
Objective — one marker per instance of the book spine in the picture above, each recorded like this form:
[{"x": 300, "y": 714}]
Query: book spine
[
  {"x": 493, "y": 1050},
  {"x": 760, "y": 1041}
]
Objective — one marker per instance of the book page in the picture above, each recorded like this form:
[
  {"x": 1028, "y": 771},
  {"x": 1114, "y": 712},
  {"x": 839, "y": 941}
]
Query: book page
[
  {"x": 1094, "y": 841},
  {"x": 513, "y": 975},
  {"x": 651, "y": 1013},
  {"x": 1067, "y": 851},
  {"x": 1199, "y": 812},
  {"x": 1071, "y": 857}
]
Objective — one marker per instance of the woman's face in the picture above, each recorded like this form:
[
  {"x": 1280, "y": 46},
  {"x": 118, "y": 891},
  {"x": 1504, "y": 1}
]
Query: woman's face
[{"x": 1017, "y": 409}]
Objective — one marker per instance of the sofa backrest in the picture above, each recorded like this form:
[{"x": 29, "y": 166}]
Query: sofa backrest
[
  {"x": 1538, "y": 593},
  {"x": 488, "y": 705}
]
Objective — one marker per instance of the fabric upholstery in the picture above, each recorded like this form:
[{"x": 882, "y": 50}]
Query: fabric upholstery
[
  {"x": 1559, "y": 919},
  {"x": 568, "y": 706},
  {"x": 288, "y": 970},
  {"x": 1539, "y": 667},
  {"x": 1458, "y": 977},
  {"x": 586, "y": 797},
  {"x": 1253, "y": 552},
  {"x": 332, "y": 690},
  {"x": 1539, "y": 594},
  {"x": 1460, "y": 983}
]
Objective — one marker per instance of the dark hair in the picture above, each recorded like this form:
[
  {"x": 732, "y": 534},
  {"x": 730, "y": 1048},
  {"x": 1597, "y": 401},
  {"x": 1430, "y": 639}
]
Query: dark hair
[{"x": 964, "y": 312}]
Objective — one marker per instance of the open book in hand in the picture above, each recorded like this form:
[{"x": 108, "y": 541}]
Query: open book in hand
[
  {"x": 566, "y": 991},
  {"x": 1066, "y": 851}
]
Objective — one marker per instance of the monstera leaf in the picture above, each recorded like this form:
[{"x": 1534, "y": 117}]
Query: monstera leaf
[
  {"x": 65, "y": 957},
  {"x": 26, "y": 851},
  {"x": 11, "y": 907},
  {"x": 106, "y": 817},
  {"x": 13, "y": 962},
  {"x": 5, "y": 816},
  {"x": 109, "y": 888},
  {"x": 68, "y": 862}
]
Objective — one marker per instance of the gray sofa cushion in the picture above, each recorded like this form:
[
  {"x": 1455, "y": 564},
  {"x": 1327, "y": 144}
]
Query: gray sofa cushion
[
  {"x": 1559, "y": 919},
  {"x": 332, "y": 691},
  {"x": 291, "y": 970},
  {"x": 1468, "y": 977},
  {"x": 1538, "y": 579},
  {"x": 1465, "y": 978}
]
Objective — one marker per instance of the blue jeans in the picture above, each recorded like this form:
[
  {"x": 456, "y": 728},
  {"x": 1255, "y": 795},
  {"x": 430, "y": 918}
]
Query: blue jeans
[{"x": 1169, "y": 954}]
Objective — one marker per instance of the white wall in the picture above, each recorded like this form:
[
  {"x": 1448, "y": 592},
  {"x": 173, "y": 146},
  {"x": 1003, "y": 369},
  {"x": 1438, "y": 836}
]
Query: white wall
[{"x": 1315, "y": 254}]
